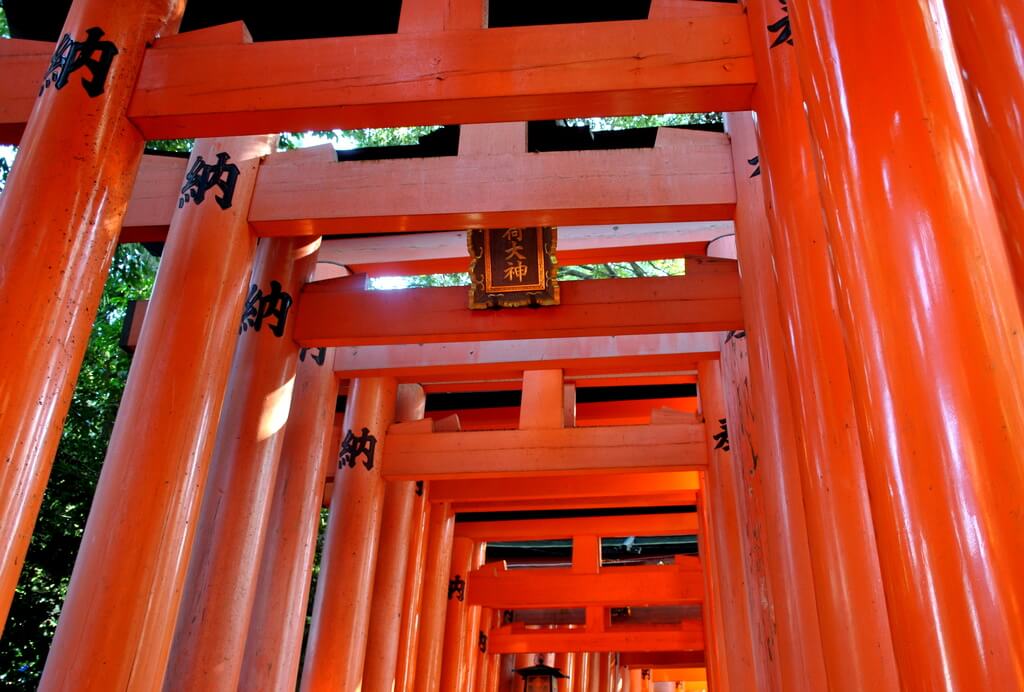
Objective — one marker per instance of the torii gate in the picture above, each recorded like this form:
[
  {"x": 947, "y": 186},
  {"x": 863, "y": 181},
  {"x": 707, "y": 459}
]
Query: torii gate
[{"x": 872, "y": 406}]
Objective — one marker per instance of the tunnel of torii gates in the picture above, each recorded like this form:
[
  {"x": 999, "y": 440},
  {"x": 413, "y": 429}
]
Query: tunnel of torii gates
[{"x": 796, "y": 467}]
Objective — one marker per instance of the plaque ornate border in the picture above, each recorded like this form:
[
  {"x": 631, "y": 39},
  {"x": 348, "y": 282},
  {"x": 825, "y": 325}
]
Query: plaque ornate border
[{"x": 480, "y": 298}]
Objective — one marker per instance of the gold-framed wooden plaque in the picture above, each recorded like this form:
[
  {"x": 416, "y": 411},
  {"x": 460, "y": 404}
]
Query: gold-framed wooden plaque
[{"x": 512, "y": 267}]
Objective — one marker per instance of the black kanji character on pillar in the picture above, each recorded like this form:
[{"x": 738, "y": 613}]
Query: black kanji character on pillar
[
  {"x": 482, "y": 642},
  {"x": 92, "y": 54},
  {"x": 203, "y": 177},
  {"x": 260, "y": 308},
  {"x": 722, "y": 437},
  {"x": 352, "y": 447},
  {"x": 419, "y": 488},
  {"x": 756, "y": 163},
  {"x": 507, "y": 617},
  {"x": 319, "y": 355},
  {"x": 457, "y": 588},
  {"x": 782, "y": 28}
]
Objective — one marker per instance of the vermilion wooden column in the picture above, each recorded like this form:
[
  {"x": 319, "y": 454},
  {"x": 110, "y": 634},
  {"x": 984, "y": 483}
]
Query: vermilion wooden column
[
  {"x": 506, "y": 676},
  {"x": 392, "y": 562},
  {"x": 273, "y": 645},
  {"x": 740, "y": 661},
  {"x": 789, "y": 631},
  {"x": 412, "y": 597},
  {"x": 126, "y": 586},
  {"x": 933, "y": 334},
  {"x": 454, "y": 655},
  {"x": 637, "y": 681},
  {"x": 484, "y": 658},
  {"x": 711, "y": 608},
  {"x": 341, "y": 607},
  {"x": 565, "y": 663},
  {"x": 855, "y": 637},
  {"x": 602, "y": 673},
  {"x": 61, "y": 214},
  {"x": 435, "y": 597},
  {"x": 989, "y": 37},
  {"x": 209, "y": 640},
  {"x": 471, "y": 652},
  {"x": 583, "y": 664}
]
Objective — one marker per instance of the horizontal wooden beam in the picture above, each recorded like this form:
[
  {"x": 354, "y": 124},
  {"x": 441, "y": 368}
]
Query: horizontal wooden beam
[
  {"x": 331, "y": 313},
  {"x": 688, "y": 638},
  {"x": 564, "y": 487},
  {"x": 687, "y": 176},
  {"x": 566, "y": 451},
  {"x": 679, "y": 524},
  {"x": 688, "y": 498},
  {"x": 426, "y": 363},
  {"x": 661, "y": 659},
  {"x": 696, "y": 64},
  {"x": 494, "y": 586},
  {"x": 445, "y": 252}
]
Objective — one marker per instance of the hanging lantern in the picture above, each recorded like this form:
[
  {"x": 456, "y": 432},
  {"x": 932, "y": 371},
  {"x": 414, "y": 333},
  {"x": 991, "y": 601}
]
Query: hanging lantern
[{"x": 540, "y": 678}]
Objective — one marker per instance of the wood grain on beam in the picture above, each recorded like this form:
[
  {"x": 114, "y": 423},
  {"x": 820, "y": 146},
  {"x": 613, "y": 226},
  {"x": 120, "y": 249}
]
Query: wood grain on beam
[
  {"x": 678, "y": 65},
  {"x": 421, "y": 363},
  {"x": 706, "y": 299},
  {"x": 687, "y": 176},
  {"x": 494, "y": 586},
  {"x": 678, "y": 641},
  {"x": 679, "y": 524},
  {"x": 568, "y": 451},
  {"x": 445, "y": 252}
]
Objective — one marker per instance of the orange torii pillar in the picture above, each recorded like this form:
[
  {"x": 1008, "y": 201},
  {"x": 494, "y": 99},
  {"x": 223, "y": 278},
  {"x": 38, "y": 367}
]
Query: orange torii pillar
[
  {"x": 61, "y": 214},
  {"x": 213, "y": 620},
  {"x": 274, "y": 643},
  {"x": 471, "y": 653},
  {"x": 789, "y": 629},
  {"x": 341, "y": 607},
  {"x": 126, "y": 586},
  {"x": 602, "y": 675},
  {"x": 565, "y": 662},
  {"x": 506, "y": 674},
  {"x": 740, "y": 664},
  {"x": 854, "y": 624},
  {"x": 412, "y": 597},
  {"x": 441, "y": 531},
  {"x": 484, "y": 658},
  {"x": 849, "y": 589},
  {"x": 711, "y": 608},
  {"x": 989, "y": 36},
  {"x": 389, "y": 582},
  {"x": 583, "y": 664},
  {"x": 933, "y": 327},
  {"x": 455, "y": 653}
]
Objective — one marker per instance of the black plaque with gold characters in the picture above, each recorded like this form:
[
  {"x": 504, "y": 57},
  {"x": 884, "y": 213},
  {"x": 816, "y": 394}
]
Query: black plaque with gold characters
[{"x": 512, "y": 267}]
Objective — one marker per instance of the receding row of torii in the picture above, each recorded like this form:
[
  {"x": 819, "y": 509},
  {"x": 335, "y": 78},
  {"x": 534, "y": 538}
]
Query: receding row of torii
[{"x": 873, "y": 403}]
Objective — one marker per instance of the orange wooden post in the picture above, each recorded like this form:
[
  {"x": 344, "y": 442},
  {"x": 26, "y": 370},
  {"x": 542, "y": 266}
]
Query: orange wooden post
[
  {"x": 126, "y": 586},
  {"x": 213, "y": 620},
  {"x": 273, "y": 646},
  {"x": 637, "y": 680},
  {"x": 583, "y": 664},
  {"x": 506, "y": 676},
  {"x": 341, "y": 607},
  {"x": 855, "y": 636},
  {"x": 564, "y": 662},
  {"x": 933, "y": 328},
  {"x": 788, "y": 631},
  {"x": 392, "y": 562},
  {"x": 61, "y": 214},
  {"x": 471, "y": 651},
  {"x": 988, "y": 38},
  {"x": 435, "y": 597},
  {"x": 454, "y": 656},
  {"x": 741, "y": 663},
  {"x": 711, "y": 610},
  {"x": 484, "y": 659},
  {"x": 412, "y": 597},
  {"x": 601, "y": 675}
]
